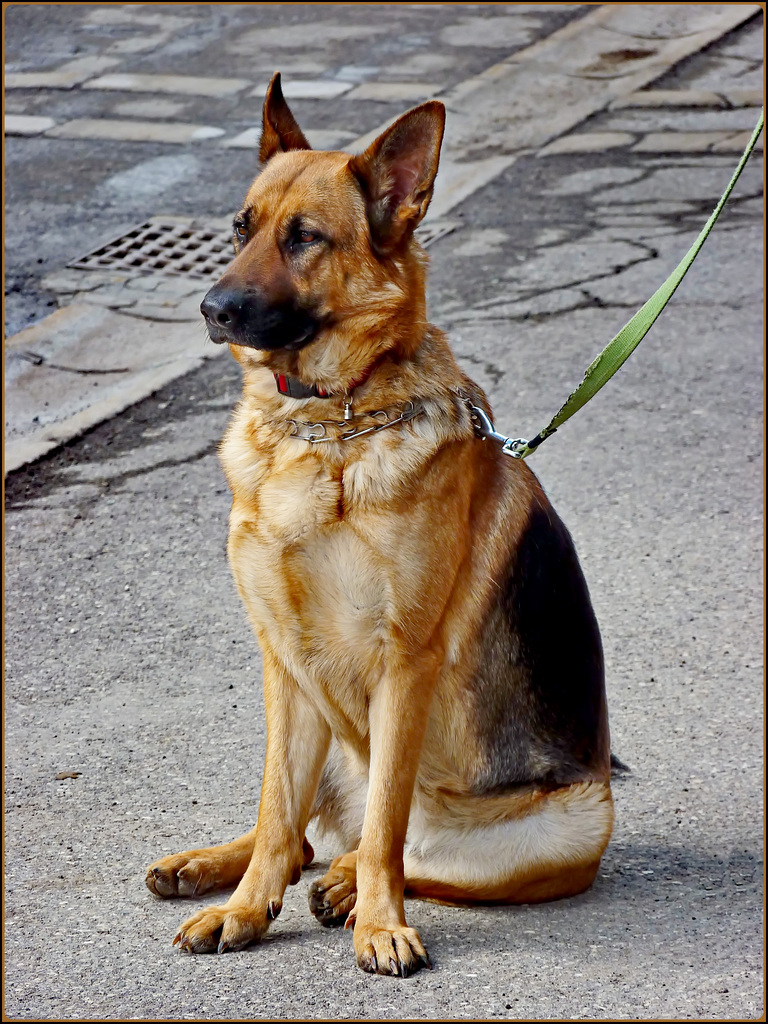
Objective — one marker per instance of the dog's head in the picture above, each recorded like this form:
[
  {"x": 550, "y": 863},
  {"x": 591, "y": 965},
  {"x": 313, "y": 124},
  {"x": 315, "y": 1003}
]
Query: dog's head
[{"x": 323, "y": 243}]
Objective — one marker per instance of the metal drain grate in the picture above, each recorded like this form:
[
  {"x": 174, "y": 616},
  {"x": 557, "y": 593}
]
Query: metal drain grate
[
  {"x": 186, "y": 249},
  {"x": 164, "y": 247}
]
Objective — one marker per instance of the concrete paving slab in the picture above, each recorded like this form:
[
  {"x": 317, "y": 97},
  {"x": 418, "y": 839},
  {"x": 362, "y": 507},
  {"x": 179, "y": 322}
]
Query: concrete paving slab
[
  {"x": 328, "y": 138},
  {"x": 149, "y": 178},
  {"x": 171, "y": 309},
  {"x": 589, "y": 142},
  {"x": 415, "y": 66},
  {"x": 357, "y": 72},
  {"x": 318, "y": 138},
  {"x": 138, "y": 44},
  {"x": 69, "y": 281},
  {"x": 187, "y": 85},
  {"x": 747, "y": 74},
  {"x": 737, "y": 143},
  {"x": 172, "y": 132},
  {"x": 134, "y": 14},
  {"x": 307, "y": 89},
  {"x": 671, "y": 21},
  {"x": 690, "y": 142},
  {"x": 69, "y": 75},
  {"x": 163, "y": 27},
  {"x": 664, "y": 99},
  {"x": 505, "y": 31},
  {"x": 154, "y": 108},
  {"x": 676, "y": 120},
  {"x": 16, "y": 103},
  {"x": 574, "y": 91},
  {"x": 459, "y": 179},
  {"x": 577, "y": 86},
  {"x": 700, "y": 283},
  {"x": 745, "y": 97},
  {"x": 665, "y": 178},
  {"x": 23, "y": 124},
  {"x": 397, "y": 92},
  {"x": 313, "y": 35}
]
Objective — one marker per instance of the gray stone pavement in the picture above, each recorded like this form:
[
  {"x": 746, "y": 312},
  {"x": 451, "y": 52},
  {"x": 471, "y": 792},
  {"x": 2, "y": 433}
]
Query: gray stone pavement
[{"x": 130, "y": 668}]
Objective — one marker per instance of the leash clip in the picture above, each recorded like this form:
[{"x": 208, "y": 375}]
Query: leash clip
[{"x": 515, "y": 447}]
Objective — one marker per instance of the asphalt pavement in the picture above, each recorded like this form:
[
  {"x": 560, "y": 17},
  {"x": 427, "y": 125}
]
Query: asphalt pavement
[{"x": 586, "y": 146}]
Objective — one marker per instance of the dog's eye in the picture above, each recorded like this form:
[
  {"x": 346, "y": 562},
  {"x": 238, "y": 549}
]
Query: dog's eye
[
  {"x": 241, "y": 230},
  {"x": 299, "y": 237}
]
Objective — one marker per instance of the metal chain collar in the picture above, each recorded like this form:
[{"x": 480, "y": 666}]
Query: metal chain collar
[{"x": 316, "y": 433}]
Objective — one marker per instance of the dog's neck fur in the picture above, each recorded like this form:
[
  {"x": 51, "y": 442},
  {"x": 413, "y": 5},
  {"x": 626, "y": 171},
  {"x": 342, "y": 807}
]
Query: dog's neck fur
[{"x": 429, "y": 373}]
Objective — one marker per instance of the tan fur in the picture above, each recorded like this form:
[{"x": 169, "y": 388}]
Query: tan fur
[{"x": 368, "y": 568}]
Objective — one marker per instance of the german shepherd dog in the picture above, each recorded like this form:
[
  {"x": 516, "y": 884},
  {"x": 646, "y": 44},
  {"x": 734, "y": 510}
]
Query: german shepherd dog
[{"x": 433, "y": 672}]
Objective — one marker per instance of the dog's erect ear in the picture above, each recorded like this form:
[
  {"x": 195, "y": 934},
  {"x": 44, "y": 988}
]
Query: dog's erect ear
[
  {"x": 279, "y": 132},
  {"x": 397, "y": 173}
]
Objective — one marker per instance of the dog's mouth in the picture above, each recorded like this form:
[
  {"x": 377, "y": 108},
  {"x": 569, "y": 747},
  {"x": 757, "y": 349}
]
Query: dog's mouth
[
  {"x": 244, "y": 319},
  {"x": 265, "y": 341}
]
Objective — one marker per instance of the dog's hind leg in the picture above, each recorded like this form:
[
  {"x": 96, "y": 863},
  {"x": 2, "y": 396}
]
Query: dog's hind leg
[
  {"x": 213, "y": 867},
  {"x": 543, "y": 845}
]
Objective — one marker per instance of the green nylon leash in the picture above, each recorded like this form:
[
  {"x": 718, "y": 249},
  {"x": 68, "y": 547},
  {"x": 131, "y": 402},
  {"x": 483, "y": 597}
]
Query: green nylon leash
[{"x": 626, "y": 341}]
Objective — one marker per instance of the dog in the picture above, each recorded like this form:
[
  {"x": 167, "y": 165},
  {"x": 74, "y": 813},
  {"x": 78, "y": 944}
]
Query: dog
[{"x": 433, "y": 669}]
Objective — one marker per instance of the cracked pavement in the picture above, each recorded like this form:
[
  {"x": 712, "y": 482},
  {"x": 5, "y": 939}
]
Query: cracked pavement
[{"x": 130, "y": 666}]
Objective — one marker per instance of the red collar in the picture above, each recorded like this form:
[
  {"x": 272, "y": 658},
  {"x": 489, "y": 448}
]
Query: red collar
[{"x": 294, "y": 388}]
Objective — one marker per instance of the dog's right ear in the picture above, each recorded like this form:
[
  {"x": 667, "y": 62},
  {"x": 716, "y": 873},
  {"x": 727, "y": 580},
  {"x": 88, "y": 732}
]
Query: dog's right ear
[{"x": 279, "y": 132}]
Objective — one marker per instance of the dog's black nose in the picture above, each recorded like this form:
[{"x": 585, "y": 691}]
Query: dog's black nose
[
  {"x": 239, "y": 315},
  {"x": 223, "y": 308}
]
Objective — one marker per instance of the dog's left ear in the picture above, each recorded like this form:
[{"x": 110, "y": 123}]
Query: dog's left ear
[
  {"x": 397, "y": 174},
  {"x": 279, "y": 132}
]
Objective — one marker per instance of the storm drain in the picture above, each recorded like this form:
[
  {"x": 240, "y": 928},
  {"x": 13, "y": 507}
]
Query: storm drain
[
  {"x": 164, "y": 247},
  {"x": 191, "y": 250}
]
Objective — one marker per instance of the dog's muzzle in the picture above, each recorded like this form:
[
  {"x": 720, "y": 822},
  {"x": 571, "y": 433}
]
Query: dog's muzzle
[{"x": 237, "y": 316}]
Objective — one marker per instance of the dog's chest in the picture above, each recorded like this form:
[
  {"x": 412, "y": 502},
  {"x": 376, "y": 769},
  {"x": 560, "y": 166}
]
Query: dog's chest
[{"x": 310, "y": 571}]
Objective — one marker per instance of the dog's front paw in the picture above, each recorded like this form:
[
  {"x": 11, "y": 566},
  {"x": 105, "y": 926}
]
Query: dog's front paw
[
  {"x": 181, "y": 875},
  {"x": 225, "y": 928},
  {"x": 398, "y": 951}
]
